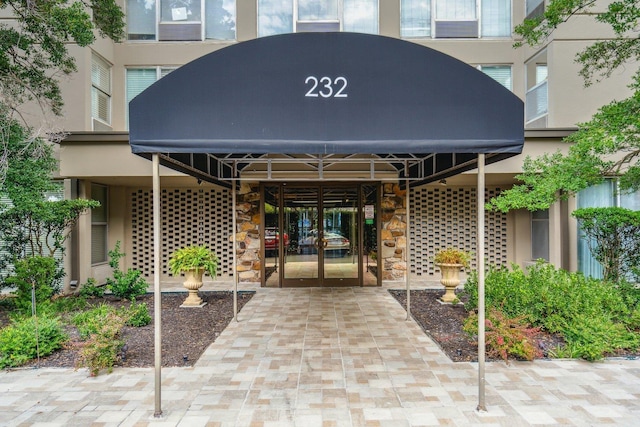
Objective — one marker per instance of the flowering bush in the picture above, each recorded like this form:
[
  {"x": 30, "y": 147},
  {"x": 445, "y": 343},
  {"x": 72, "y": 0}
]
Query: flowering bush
[{"x": 506, "y": 336}]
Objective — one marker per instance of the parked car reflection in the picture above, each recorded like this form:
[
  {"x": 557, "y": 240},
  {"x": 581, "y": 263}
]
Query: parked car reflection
[
  {"x": 272, "y": 239},
  {"x": 335, "y": 245}
]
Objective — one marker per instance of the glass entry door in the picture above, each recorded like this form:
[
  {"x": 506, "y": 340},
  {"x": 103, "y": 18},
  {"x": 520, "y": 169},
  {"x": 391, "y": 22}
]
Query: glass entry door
[{"x": 314, "y": 235}]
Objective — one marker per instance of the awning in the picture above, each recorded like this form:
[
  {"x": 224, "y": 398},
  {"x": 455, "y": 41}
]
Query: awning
[{"x": 319, "y": 94}]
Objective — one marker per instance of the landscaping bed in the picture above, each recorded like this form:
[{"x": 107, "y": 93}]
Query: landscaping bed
[{"x": 186, "y": 332}]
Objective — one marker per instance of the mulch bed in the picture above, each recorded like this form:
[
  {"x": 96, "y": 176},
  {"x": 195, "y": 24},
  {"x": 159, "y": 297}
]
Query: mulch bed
[
  {"x": 186, "y": 332},
  {"x": 442, "y": 322}
]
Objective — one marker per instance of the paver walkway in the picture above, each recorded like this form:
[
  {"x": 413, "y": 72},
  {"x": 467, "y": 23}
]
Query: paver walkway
[{"x": 327, "y": 357}]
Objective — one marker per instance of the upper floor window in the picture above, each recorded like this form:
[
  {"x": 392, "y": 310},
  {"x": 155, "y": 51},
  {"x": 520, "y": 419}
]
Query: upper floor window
[
  {"x": 287, "y": 16},
  {"x": 537, "y": 96},
  {"x": 534, "y": 8},
  {"x": 500, "y": 73},
  {"x": 455, "y": 18},
  {"x": 181, "y": 20},
  {"x": 138, "y": 79},
  {"x": 100, "y": 90}
]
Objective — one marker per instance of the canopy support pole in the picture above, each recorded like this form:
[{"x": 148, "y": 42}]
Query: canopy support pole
[
  {"x": 157, "y": 297},
  {"x": 407, "y": 250},
  {"x": 234, "y": 249},
  {"x": 480, "y": 266}
]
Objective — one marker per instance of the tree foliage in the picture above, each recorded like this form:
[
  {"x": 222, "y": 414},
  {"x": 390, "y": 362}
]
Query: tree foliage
[
  {"x": 34, "y": 52},
  {"x": 32, "y": 225},
  {"x": 613, "y": 236},
  {"x": 609, "y": 143}
]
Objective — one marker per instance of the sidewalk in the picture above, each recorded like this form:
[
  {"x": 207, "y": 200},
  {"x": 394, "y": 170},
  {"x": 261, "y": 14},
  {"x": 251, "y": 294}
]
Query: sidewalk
[{"x": 327, "y": 357}]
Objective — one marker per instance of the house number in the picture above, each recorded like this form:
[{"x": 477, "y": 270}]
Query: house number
[{"x": 326, "y": 87}]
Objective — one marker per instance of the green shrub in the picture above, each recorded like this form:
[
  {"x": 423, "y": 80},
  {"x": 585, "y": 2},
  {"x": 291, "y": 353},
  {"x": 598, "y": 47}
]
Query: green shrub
[
  {"x": 565, "y": 303},
  {"x": 18, "y": 342},
  {"x": 34, "y": 272},
  {"x": 90, "y": 321},
  {"x": 506, "y": 336},
  {"x": 137, "y": 315},
  {"x": 127, "y": 285},
  {"x": 101, "y": 349},
  {"x": 91, "y": 289}
]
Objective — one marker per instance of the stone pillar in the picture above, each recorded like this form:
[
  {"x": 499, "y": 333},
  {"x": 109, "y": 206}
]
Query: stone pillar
[
  {"x": 394, "y": 240},
  {"x": 247, "y": 211}
]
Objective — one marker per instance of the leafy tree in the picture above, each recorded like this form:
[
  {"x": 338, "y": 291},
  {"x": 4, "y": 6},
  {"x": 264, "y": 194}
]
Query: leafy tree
[
  {"x": 608, "y": 144},
  {"x": 613, "y": 236},
  {"x": 34, "y": 53},
  {"x": 32, "y": 225}
]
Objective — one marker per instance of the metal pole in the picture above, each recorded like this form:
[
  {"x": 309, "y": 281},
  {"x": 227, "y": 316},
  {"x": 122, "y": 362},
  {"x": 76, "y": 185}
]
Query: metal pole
[
  {"x": 157, "y": 299},
  {"x": 234, "y": 251},
  {"x": 407, "y": 250},
  {"x": 480, "y": 260}
]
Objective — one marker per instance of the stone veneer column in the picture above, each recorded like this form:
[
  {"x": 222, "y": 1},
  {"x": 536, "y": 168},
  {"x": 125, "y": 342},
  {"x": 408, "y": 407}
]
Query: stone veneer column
[
  {"x": 247, "y": 211},
  {"x": 394, "y": 241}
]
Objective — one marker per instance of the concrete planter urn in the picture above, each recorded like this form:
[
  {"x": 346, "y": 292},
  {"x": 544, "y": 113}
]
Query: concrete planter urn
[
  {"x": 193, "y": 282},
  {"x": 193, "y": 261},
  {"x": 450, "y": 261},
  {"x": 450, "y": 280}
]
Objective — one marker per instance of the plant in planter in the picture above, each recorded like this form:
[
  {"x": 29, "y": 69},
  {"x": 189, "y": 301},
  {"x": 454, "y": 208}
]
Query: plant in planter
[
  {"x": 193, "y": 261},
  {"x": 450, "y": 261}
]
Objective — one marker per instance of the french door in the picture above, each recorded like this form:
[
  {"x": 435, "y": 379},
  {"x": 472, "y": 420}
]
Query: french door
[{"x": 315, "y": 235}]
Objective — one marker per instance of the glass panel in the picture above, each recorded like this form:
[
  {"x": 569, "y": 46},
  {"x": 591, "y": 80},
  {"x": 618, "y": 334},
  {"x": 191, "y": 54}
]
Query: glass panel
[
  {"x": 601, "y": 195},
  {"x": 370, "y": 235},
  {"x": 456, "y": 10},
  {"x": 301, "y": 228},
  {"x": 540, "y": 235},
  {"x": 141, "y": 19},
  {"x": 500, "y": 73},
  {"x": 630, "y": 201},
  {"x": 99, "y": 214},
  {"x": 339, "y": 236},
  {"x": 317, "y": 10},
  {"x": 496, "y": 18},
  {"x": 361, "y": 16},
  {"x": 275, "y": 17},
  {"x": 180, "y": 10},
  {"x": 272, "y": 236},
  {"x": 415, "y": 20},
  {"x": 98, "y": 244},
  {"x": 220, "y": 19}
]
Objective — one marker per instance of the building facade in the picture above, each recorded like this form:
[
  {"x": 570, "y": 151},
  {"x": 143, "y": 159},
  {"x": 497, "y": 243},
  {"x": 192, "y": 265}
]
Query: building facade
[{"x": 291, "y": 229}]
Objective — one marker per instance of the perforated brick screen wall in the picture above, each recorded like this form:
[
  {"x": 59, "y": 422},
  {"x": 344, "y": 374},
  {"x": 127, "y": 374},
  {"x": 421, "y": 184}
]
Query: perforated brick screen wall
[
  {"x": 189, "y": 217},
  {"x": 446, "y": 217}
]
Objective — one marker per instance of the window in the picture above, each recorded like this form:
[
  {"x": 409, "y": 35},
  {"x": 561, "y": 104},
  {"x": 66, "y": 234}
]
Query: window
[
  {"x": 138, "y": 79},
  {"x": 534, "y": 8},
  {"x": 100, "y": 90},
  {"x": 181, "y": 20},
  {"x": 277, "y": 16},
  {"x": 600, "y": 196},
  {"x": 537, "y": 97},
  {"x": 540, "y": 235},
  {"x": 415, "y": 18},
  {"x": 500, "y": 73},
  {"x": 455, "y": 18},
  {"x": 99, "y": 250}
]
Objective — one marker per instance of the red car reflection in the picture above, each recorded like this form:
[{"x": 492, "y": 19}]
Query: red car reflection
[{"x": 272, "y": 238}]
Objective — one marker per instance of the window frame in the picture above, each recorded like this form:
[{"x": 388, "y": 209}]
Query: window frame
[
  {"x": 102, "y": 224},
  {"x": 159, "y": 23},
  {"x": 432, "y": 33},
  {"x": 101, "y": 86},
  {"x": 327, "y": 23}
]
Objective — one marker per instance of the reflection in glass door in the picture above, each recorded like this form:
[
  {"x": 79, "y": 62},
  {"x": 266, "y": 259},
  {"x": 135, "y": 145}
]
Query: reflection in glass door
[
  {"x": 313, "y": 235},
  {"x": 339, "y": 236}
]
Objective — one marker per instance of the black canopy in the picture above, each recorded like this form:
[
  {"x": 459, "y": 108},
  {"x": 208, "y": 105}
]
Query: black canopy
[{"x": 326, "y": 93}]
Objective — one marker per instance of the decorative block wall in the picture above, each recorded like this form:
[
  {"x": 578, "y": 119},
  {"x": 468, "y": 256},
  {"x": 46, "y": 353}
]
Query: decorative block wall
[
  {"x": 444, "y": 217},
  {"x": 199, "y": 216}
]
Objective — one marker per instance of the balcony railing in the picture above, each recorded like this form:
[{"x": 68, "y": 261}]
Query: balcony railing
[{"x": 537, "y": 101}]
